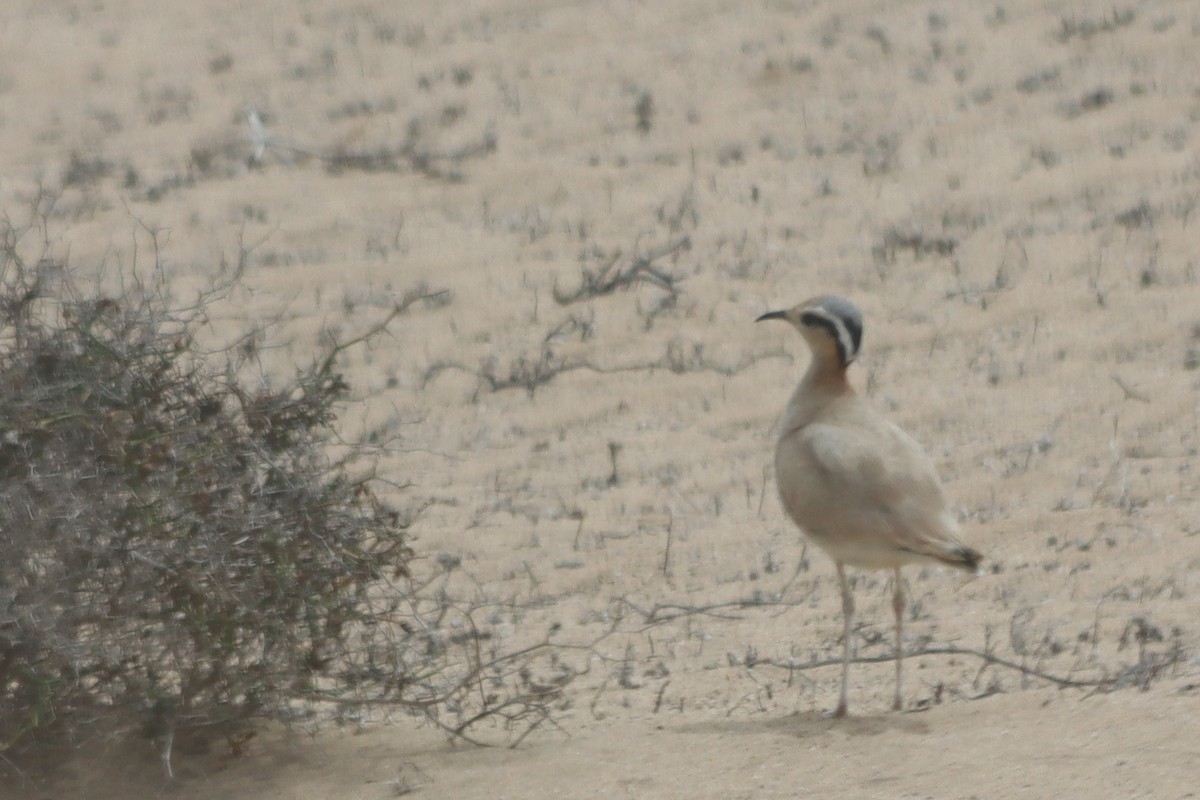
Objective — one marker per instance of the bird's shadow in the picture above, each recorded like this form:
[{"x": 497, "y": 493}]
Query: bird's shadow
[{"x": 805, "y": 724}]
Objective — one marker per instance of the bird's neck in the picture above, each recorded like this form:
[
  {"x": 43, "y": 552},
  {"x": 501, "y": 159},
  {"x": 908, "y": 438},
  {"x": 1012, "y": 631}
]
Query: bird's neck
[{"x": 823, "y": 384}]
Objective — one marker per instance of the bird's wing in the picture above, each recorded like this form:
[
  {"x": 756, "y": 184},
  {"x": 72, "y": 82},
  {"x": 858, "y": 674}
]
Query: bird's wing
[{"x": 884, "y": 481}]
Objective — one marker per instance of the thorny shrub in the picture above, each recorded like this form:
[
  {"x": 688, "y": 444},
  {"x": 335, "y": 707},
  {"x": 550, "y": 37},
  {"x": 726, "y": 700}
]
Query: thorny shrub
[{"x": 186, "y": 553}]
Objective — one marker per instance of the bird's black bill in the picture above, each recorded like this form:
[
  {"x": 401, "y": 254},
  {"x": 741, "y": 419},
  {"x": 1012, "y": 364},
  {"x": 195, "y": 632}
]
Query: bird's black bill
[{"x": 772, "y": 315}]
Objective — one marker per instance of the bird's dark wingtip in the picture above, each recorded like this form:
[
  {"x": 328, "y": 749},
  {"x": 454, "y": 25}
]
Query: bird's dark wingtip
[{"x": 967, "y": 559}]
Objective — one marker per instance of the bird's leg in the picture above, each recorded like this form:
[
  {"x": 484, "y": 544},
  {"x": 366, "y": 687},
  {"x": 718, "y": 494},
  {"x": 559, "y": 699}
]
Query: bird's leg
[
  {"x": 847, "y": 616},
  {"x": 898, "y": 607}
]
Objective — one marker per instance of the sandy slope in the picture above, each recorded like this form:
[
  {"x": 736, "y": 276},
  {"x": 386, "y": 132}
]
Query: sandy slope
[{"x": 1009, "y": 193}]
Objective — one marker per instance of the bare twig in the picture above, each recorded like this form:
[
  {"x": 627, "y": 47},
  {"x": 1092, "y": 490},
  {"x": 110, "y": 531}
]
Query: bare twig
[
  {"x": 1130, "y": 392},
  {"x": 531, "y": 374},
  {"x": 609, "y": 277},
  {"x": 988, "y": 657},
  {"x": 402, "y": 305},
  {"x": 662, "y": 613}
]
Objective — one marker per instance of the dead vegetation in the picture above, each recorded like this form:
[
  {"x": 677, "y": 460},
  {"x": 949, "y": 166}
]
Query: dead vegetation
[
  {"x": 256, "y": 148},
  {"x": 614, "y": 273},
  {"x": 532, "y": 372},
  {"x": 411, "y": 155},
  {"x": 183, "y": 553},
  {"x": 602, "y": 275},
  {"x": 1156, "y": 657}
]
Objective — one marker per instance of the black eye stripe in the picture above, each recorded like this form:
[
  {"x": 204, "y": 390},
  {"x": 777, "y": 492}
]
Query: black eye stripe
[
  {"x": 817, "y": 320},
  {"x": 846, "y": 334}
]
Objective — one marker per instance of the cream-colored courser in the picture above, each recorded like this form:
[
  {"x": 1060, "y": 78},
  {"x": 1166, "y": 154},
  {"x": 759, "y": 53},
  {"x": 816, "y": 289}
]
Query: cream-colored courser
[{"x": 856, "y": 484}]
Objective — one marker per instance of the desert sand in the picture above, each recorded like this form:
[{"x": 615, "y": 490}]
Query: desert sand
[{"x": 1009, "y": 192}]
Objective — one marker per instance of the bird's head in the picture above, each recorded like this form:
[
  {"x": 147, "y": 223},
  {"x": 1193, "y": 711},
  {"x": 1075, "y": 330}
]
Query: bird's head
[{"x": 831, "y": 325}]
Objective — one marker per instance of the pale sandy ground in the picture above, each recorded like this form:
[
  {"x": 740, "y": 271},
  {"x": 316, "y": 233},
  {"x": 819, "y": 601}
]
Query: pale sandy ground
[{"x": 1008, "y": 190}]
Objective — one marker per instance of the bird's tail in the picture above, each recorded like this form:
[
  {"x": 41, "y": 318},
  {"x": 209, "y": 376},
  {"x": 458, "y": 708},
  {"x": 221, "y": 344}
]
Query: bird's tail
[{"x": 963, "y": 558}]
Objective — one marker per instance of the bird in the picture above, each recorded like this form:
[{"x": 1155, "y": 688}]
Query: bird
[{"x": 854, "y": 483}]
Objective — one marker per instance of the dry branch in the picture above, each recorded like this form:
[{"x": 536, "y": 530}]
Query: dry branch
[
  {"x": 530, "y": 374},
  {"x": 610, "y": 277},
  {"x": 663, "y": 613},
  {"x": 990, "y": 658}
]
